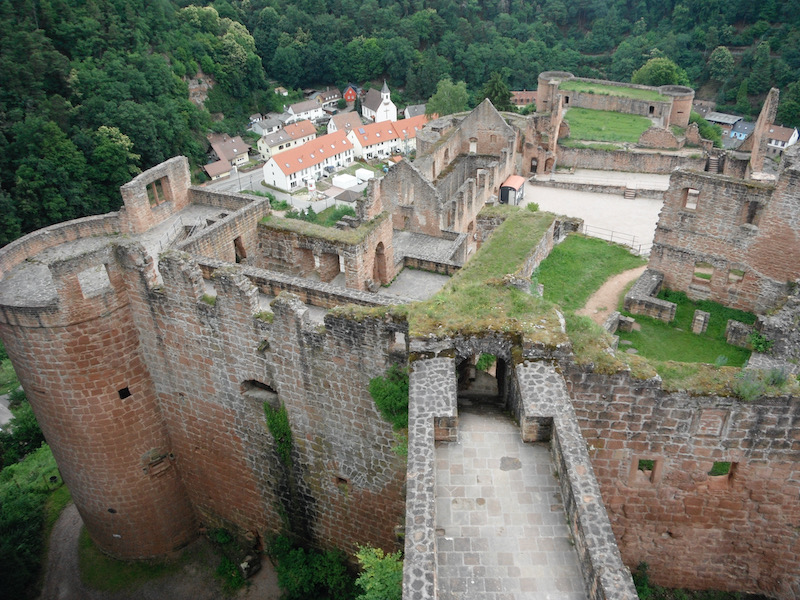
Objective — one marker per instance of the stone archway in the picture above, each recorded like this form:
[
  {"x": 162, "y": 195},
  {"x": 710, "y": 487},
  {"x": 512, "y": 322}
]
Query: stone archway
[
  {"x": 534, "y": 165},
  {"x": 548, "y": 165}
]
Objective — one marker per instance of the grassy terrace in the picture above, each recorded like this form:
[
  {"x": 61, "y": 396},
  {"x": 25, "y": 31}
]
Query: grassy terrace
[
  {"x": 612, "y": 90},
  {"x": 605, "y": 126},
  {"x": 343, "y": 236},
  {"x": 476, "y": 298}
]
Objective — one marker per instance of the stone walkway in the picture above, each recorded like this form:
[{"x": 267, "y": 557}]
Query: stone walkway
[{"x": 501, "y": 526}]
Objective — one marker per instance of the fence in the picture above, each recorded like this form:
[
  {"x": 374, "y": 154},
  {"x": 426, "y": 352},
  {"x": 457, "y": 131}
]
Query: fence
[{"x": 626, "y": 239}]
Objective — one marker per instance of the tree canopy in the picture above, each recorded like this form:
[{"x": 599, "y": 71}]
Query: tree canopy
[
  {"x": 449, "y": 98},
  {"x": 77, "y": 66}
]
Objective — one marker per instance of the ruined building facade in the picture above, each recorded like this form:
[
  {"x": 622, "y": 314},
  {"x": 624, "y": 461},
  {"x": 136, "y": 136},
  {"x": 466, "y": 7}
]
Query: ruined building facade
[{"x": 149, "y": 342}]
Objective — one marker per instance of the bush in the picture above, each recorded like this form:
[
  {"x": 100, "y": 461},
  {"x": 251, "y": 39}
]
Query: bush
[
  {"x": 22, "y": 436},
  {"x": 391, "y": 396},
  {"x": 759, "y": 342},
  {"x": 532, "y": 206},
  {"x": 304, "y": 574},
  {"x": 485, "y": 362},
  {"x": 278, "y": 425},
  {"x": 381, "y": 575},
  {"x": 748, "y": 387},
  {"x": 776, "y": 376}
]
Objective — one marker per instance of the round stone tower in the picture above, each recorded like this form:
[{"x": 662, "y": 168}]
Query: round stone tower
[
  {"x": 682, "y": 98},
  {"x": 547, "y": 91},
  {"x": 66, "y": 321}
]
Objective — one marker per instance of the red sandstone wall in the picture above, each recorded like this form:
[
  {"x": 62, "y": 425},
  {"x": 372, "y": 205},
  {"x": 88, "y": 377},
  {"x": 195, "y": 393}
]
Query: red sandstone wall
[
  {"x": 693, "y": 530},
  {"x": 113, "y": 451},
  {"x": 716, "y": 232},
  {"x": 626, "y": 161},
  {"x": 200, "y": 355}
]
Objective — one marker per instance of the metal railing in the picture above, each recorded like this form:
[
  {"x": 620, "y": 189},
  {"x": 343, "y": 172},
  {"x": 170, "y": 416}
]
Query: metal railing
[
  {"x": 618, "y": 237},
  {"x": 168, "y": 238}
]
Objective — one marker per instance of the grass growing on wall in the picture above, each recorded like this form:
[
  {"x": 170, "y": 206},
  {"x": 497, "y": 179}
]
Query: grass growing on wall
[
  {"x": 605, "y": 126},
  {"x": 579, "y": 265},
  {"x": 390, "y": 394},
  {"x": 281, "y": 431},
  {"x": 602, "y": 89}
]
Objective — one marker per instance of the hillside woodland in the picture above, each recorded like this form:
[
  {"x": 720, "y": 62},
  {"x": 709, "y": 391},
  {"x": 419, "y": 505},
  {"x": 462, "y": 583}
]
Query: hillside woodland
[{"x": 93, "y": 91}]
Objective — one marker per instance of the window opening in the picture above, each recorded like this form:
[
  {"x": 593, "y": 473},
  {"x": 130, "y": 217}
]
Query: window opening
[
  {"x": 690, "y": 198},
  {"x": 124, "y": 393},
  {"x": 703, "y": 271}
]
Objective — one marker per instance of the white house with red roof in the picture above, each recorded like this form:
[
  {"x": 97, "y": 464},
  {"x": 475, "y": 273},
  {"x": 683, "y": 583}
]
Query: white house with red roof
[
  {"x": 344, "y": 122},
  {"x": 294, "y": 168},
  {"x": 380, "y": 140}
]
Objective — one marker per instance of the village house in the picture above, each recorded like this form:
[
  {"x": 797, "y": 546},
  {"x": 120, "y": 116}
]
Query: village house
[
  {"x": 779, "y": 138},
  {"x": 310, "y": 110},
  {"x": 407, "y": 130},
  {"x": 294, "y": 134},
  {"x": 329, "y": 98},
  {"x": 228, "y": 151},
  {"x": 378, "y": 106},
  {"x": 294, "y": 168},
  {"x": 344, "y": 122},
  {"x": 413, "y": 110},
  {"x": 268, "y": 124},
  {"x": 380, "y": 140},
  {"x": 351, "y": 93}
]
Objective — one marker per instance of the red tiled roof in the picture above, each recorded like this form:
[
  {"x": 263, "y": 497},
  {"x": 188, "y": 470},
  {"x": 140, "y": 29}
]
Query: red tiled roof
[
  {"x": 346, "y": 121},
  {"x": 312, "y": 152},
  {"x": 411, "y": 126},
  {"x": 375, "y": 133},
  {"x": 300, "y": 129}
]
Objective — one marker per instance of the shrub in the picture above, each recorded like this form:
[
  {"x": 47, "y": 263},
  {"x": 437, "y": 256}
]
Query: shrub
[
  {"x": 381, "y": 575},
  {"x": 776, "y": 376},
  {"x": 485, "y": 362},
  {"x": 23, "y": 436},
  {"x": 229, "y": 576},
  {"x": 532, "y": 206},
  {"x": 304, "y": 574},
  {"x": 759, "y": 342},
  {"x": 281, "y": 431},
  {"x": 391, "y": 396},
  {"x": 747, "y": 386}
]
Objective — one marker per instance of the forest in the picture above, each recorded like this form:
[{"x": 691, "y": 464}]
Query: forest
[{"x": 94, "y": 91}]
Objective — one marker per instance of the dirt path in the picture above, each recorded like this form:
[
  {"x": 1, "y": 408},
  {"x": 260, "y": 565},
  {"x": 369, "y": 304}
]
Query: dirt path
[
  {"x": 605, "y": 300},
  {"x": 194, "y": 581}
]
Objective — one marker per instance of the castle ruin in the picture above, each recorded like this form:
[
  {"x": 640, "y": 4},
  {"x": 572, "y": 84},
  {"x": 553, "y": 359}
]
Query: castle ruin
[{"x": 148, "y": 342}]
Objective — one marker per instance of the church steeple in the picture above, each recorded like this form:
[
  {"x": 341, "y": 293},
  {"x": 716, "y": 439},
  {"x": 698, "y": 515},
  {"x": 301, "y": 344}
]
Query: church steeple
[{"x": 385, "y": 93}]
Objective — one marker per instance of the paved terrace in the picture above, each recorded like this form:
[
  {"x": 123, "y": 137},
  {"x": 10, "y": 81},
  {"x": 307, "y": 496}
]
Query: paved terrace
[
  {"x": 483, "y": 514},
  {"x": 501, "y": 528}
]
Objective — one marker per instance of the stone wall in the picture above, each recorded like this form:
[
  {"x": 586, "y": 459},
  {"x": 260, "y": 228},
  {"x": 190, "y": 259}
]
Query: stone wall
[
  {"x": 742, "y": 233},
  {"x": 220, "y": 239},
  {"x": 599, "y": 189},
  {"x": 86, "y": 377},
  {"x": 647, "y": 108},
  {"x": 641, "y": 298},
  {"x": 733, "y": 532},
  {"x": 367, "y": 252},
  {"x": 212, "y": 365},
  {"x": 660, "y": 137},
  {"x": 155, "y": 195},
  {"x": 620, "y": 160}
]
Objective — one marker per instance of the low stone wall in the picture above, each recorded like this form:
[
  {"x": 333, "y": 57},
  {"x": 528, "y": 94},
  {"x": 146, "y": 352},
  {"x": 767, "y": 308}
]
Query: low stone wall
[
  {"x": 641, "y": 300},
  {"x": 544, "y": 398},
  {"x": 620, "y": 160},
  {"x": 738, "y": 333},
  {"x": 598, "y": 188},
  {"x": 229, "y": 200},
  {"x": 217, "y": 240},
  {"x": 432, "y": 397},
  {"x": 42, "y": 239},
  {"x": 431, "y": 265},
  {"x": 314, "y": 293}
]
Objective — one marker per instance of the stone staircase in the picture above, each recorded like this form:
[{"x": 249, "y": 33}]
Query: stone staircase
[{"x": 629, "y": 194}]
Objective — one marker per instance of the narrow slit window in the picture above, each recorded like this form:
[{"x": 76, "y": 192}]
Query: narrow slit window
[
  {"x": 124, "y": 393},
  {"x": 690, "y": 198}
]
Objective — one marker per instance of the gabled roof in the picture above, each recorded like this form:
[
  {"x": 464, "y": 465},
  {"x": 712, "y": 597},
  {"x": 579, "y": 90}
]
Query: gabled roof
[
  {"x": 329, "y": 95},
  {"x": 300, "y": 129},
  {"x": 722, "y": 118},
  {"x": 346, "y": 121},
  {"x": 372, "y": 100},
  {"x": 411, "y": 126},
  {"x": 278, "y": 137},
  {"x": 312, "y": 152},
  {"x": 745, "y": 127},
  {"x": 228, "y": 148},
  {"x": 415, "y": 110},
  {"x": 217, "y": 168},
  {"x": 375, "y": 133},
  {"x": 304, "y": 106},
  {"x": 780, "y": 133}
]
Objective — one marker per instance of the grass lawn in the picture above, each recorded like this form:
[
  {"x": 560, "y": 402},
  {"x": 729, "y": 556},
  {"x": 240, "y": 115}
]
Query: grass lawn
[
  {"x": 101, "y": 572},
  {"x": 351, "y": 170},
  {"x": 579, "y": 265},
  {"x": 675, "y": 341},
  {"x": 570, "y": 143},
  {"x": 612, "y": 90},
  {"x": 605, "y": 126}
]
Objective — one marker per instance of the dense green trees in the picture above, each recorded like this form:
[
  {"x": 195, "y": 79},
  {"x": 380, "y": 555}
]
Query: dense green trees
[
  {"x": 125, "y": 64},
  {"x": 449, "y": 98}
]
